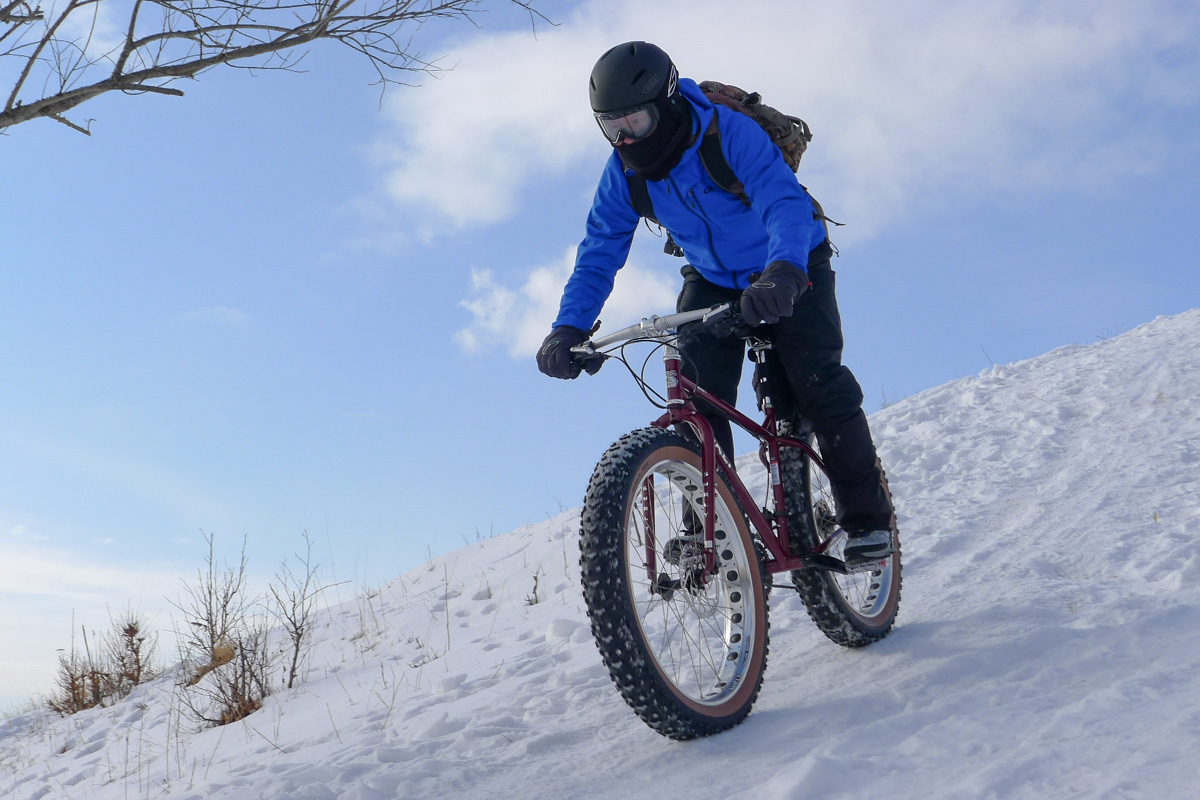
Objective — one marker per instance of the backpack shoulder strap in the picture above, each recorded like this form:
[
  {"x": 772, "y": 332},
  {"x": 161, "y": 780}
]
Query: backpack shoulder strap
[
  {"x": 819, "y": 213},
  {"x": 639, "y": 197},
  {"x": 715, "y": 163}
]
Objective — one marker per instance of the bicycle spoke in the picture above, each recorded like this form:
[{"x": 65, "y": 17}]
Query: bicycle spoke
[
  {"x": 686, "y": 644},
  {"x": 686, "y": 613}
]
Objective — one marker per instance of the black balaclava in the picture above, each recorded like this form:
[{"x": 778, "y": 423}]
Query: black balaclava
[
  {"x": 634, "y": 74},
  {"x": 659, "y": 153}
]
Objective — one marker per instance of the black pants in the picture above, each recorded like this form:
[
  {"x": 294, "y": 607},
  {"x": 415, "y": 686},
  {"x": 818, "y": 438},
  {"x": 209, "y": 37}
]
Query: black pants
[{"x": 814, "y": 384}]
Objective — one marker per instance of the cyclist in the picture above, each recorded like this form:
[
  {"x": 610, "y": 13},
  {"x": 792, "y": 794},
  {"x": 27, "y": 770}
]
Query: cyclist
[{"x": 654, "y": 122}]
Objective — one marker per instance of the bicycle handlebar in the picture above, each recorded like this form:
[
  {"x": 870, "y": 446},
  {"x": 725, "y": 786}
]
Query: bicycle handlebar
[{"x": 655, "y": 327}]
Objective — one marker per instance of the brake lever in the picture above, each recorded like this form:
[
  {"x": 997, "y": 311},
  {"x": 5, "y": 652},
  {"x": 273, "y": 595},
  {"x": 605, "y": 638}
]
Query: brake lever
[
  {"x": 587, "y": 359},
  {"x": 591, "y": 364},
  {"x": 727, "y": 323}
]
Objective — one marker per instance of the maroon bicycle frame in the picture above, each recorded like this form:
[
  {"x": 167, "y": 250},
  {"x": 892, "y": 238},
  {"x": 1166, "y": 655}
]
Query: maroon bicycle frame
[{"x": 681, "y": 394}]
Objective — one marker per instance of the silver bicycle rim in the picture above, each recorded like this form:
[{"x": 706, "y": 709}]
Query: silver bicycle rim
[
  {"x": 700, "y": 636},
  {"x": 865, "y": 593}
]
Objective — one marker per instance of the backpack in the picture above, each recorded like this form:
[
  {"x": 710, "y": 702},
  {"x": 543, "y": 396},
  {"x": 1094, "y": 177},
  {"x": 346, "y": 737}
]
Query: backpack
[{"x": 790, "y": 134}]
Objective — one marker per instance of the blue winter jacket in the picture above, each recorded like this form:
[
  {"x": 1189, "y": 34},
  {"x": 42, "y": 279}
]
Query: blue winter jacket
[{"x": 722, "y": 237}]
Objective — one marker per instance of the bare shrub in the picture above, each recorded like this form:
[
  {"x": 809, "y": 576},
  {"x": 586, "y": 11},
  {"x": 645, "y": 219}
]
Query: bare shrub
[
  {"x": 130, "y": 648},
  {"x": 213, "y": 607},
  {"x": 107, "y": 668},
  {"x": 223, "y": 643},
  {"x": 240, "y": 686},
  {"x": 81, "y": 682},
  {"x": 295, "y": 595}
]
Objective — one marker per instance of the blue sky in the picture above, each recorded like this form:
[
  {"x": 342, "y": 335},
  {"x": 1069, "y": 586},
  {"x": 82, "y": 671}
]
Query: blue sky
[{"x": 278, "y": 304}]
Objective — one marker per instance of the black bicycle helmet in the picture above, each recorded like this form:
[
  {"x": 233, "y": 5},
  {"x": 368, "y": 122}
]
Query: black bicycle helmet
[
  {"x": 631, "y": 74},
  {"x": 634, "y": 92}
]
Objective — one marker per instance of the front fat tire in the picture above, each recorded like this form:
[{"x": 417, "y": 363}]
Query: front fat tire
[{"x": 690, "y": 662}]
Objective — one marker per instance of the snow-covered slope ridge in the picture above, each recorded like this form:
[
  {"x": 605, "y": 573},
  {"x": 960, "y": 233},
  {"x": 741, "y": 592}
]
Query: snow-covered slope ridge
[{"x": 1048, "y": 644}]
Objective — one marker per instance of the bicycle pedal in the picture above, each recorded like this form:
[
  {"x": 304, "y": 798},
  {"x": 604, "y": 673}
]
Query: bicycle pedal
[{"x": 868, "y": 566}]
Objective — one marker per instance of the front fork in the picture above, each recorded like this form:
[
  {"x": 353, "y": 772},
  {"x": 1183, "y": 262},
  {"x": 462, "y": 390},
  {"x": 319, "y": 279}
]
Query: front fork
[{"x": 678, "y": 411}]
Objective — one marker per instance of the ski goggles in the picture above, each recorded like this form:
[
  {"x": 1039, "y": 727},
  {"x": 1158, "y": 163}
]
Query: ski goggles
[{"x": 633, "y": 124}]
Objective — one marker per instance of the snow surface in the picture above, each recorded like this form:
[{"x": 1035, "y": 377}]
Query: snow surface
[{"x": 1047, "y": 644}]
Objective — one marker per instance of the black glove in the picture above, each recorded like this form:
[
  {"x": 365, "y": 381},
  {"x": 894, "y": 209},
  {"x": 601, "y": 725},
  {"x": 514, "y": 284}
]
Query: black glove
[
  {"x": 774, "y": 294},
  {"x": 555, "y": 358}
]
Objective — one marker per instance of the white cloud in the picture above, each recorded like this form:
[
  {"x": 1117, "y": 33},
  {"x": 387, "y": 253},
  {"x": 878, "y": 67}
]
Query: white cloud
[
  {"x": 509, "y": 110},
  {"x": 22, "y": 532},
  {"x": 909, "y": 101},
  {"x": 518, "y": 319}
]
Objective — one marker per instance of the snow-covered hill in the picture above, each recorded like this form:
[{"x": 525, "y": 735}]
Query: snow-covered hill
[{"x": 1048, "y": 644}]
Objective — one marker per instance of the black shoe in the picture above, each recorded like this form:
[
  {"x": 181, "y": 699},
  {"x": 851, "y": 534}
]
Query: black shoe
[{"x": 866, "y": 547}]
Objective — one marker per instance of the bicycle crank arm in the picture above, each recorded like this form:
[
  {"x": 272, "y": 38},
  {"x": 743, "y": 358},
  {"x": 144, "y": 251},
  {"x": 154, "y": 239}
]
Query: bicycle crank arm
[{"x": 831, "y": 564}]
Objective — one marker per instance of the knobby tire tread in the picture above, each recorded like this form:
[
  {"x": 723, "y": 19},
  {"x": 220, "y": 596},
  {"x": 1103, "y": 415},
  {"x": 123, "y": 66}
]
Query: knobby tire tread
[
  {"x": 824, "y": 603},
  {"x": 613, "y": 622}
]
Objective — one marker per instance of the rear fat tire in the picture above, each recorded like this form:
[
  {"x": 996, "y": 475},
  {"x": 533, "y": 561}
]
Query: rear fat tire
[
  {"x": 689, "y": 663},
  {"x": 852, "y": 610}
]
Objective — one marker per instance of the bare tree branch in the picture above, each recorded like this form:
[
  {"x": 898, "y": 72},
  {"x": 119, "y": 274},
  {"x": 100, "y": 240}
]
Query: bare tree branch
[
  {"x": 164, "y": 41},
  {"x": 69, "y": 124},
  {"x": 19, "y": 12}
]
